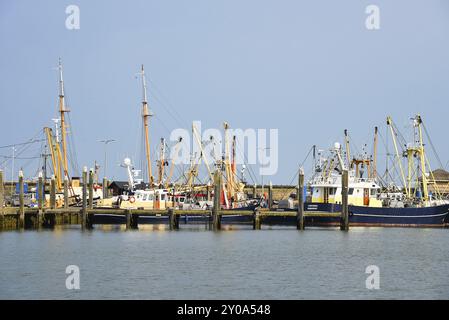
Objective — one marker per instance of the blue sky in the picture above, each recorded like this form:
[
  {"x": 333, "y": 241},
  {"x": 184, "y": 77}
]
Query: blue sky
[{"x": 308, "y": 68}]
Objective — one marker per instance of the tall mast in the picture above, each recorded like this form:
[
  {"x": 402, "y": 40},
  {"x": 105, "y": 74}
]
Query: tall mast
[
  {"x": 62, "y": 111},
  {"x": 145, "y": 115},
  {"x": 233, "y": 166},
  {"x": 423, "y": 158},
  {"x": 375, "y": 154},
  {"x": 348, "y": 151},
  {"x": 228, "y": 168},
  {"x": 398, "y": 157},
  {"x": 162, "y": 162}
]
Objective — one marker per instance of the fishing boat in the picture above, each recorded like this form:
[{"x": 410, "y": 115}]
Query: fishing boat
[
  {"x": 57, "y": 147},
  {"x": 371, "y": 201}
]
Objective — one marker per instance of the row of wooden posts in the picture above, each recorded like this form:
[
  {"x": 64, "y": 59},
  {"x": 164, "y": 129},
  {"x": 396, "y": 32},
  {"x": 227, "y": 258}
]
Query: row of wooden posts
[
  {"x": 300, "y": 216},
  {"x": 131, "y": 220}
]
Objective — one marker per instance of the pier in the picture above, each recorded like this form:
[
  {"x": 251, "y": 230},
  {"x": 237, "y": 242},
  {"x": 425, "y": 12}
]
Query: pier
[{"x": 86, "y": 216}]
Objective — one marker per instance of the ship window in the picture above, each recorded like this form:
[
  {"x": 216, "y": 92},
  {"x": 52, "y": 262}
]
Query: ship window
[
  {"x": 162, "y": 197},
  {"x": 351, "y": 191},
  {"x": 332, "y": 191},
  {"x": 150, "y": 197},
  {"x": 373, "y": 192},
  {"x": 145, "y": 197}
]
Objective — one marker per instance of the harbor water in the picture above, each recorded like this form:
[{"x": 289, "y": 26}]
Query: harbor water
[{"x": 236, "y": 263}]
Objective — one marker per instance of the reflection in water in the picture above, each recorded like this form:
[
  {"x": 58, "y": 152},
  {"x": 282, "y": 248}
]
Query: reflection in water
[{"x": 237, "y": 262}]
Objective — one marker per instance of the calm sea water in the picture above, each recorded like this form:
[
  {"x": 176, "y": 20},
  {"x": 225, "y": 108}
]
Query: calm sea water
[{"x": 194, "y": 263}]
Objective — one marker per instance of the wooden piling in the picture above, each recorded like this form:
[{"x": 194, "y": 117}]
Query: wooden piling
[
  {"x": 40, "y": 192},
  {"x": 344, "y": 221},
  {"x": 105, "y": 188},
  {"x": 216, "y": 219},
  {"x": 21, "y": 221},
  {"x": 173, "y": 219},
  {"x": 270, "y": 196},
  {"x": 66, "y": 192},
  {"x": 208, "y": 192},
  {"x": 40, "y": 200},
  {"x": 300, "y": 196},
  {"x": 128, "y": 219},
  {"x": 254, "y": 190},
  {"x": 257, "y": 223},
  {"x": 84, "y": 217},
  {"x": 91, "y": 188},
  {"x": 52, "y": 193},
  {"x": 174, "y": 198},
  {"x": 131, "y": 220}
]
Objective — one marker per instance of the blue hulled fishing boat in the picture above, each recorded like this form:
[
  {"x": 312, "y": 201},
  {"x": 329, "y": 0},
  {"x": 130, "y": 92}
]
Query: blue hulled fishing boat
[{"x": 376, "y": 200}]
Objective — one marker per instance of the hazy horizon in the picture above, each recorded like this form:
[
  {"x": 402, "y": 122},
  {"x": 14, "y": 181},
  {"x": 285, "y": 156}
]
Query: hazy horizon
[{"x": 307, "y": 68}]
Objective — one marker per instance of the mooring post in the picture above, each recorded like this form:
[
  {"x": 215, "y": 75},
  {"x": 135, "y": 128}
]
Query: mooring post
[
  {"x": 40, "y": 192},
  {"x": 66, "y": 192},
  {"x": 344, "y": 221},
  {"x": 52, "y": 192},
  {"x": 300, "y": 196},
  {"x": 40, "y": 201},
  {"x": 256, "y": 220},
  {"x": 217, "y": 195},
  {"x": 270, "y": 196},
  {"x": 208, "y": 191},
  {"x": 2, "y": 199},
  {"x": 105, "y": 188},
  {"x": 174, "y": 204},
  {"x": 131, "y": 220},
  {"x": 91, "y": 188},
  {"x": 21, "y": 222},
  {"x": 173, "y": 221},
  {"x": 128, "y": 219},
  {"x": 84, "y": 210},
  {"x": 254, "y": 191}
]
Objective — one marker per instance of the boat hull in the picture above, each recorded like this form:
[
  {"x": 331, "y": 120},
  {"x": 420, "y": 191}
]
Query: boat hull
[{"x": 435, "y": 216}]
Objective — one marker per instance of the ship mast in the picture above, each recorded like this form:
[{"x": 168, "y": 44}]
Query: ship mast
[
  {"x": 233, "y": 164},
  {"x": 422, "y": 157},
  {"x": 375, "y": 154},
  {"x": 398, "y": 156},
  {"x": 228, "y": 165},
  {"x": 348, "y": 151},
  {"x": 162, "y": 162},
  {"x": 145, "y": 115},
  {"x": 62, "y": 111}
]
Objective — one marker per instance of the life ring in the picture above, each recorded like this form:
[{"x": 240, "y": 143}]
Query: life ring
[{"x": 132, "y": 199}]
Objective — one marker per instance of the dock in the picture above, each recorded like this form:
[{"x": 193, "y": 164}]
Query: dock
[{"x": 86, "y": 216}]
